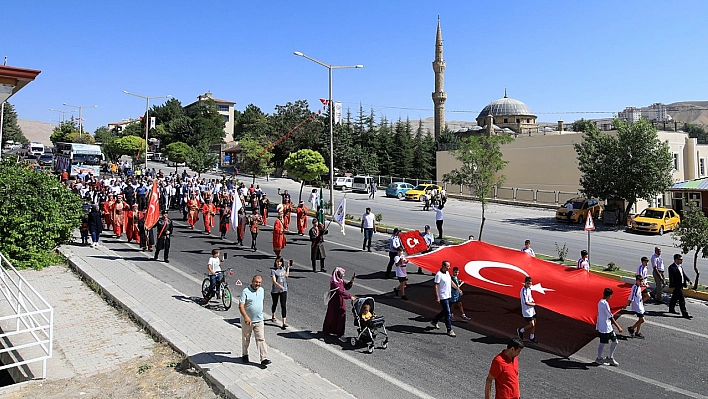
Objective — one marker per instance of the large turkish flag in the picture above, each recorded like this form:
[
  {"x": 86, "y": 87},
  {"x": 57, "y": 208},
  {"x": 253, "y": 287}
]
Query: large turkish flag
[
  {"x": 568, "y": 291},
  {"x": 413, "y": 242},
  {"x": 153, "y": 211}
]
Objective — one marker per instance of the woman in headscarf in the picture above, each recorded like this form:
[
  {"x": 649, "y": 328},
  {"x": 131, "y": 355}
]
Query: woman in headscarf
[{"x": 335, "y": 319}]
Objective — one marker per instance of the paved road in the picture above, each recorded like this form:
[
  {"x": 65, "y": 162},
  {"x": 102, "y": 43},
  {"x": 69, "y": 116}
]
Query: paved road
[{"x": 423, "y": 363}]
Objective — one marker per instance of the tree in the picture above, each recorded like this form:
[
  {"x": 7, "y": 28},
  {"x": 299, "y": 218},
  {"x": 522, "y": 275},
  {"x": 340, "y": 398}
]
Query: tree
[
  {"x": 10, "y": 129},
  {"x": 75, "y": 137},
  {"x": 305, "y": 165},
  {"x": 207, "y": 125},
  {"x": 255, "y": 158},
  {"x": 103, "y": 135},
  {"x": 61, "y": 133},
  {"x": 177, "y": 152},
  {"x": 583, "y": 125},
  {"x": 692, "y": 233},
  {"x": 632, "y": 165},
  {"x": 38, "y": 213},
  {"x": 200, "y": 159},
  {"x": 482, "y": 160},
  {"x": 129, "y": 145}
]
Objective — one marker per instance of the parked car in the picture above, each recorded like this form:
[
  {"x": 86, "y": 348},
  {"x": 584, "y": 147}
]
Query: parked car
[
  {"x": 362, "y": 184},
  {"x": 656, "y": 220},
  {"x": 343, "y": 183},
  {"x": 581, "y": 208},
  {"x": 398, "y": 189},
  {"x": 157, "y": 157},
  {"x": 46, "y": 159},
  {"x": 416, "y": 193}
]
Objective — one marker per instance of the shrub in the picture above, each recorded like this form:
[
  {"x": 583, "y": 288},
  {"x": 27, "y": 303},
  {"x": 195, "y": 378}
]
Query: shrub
[
  {"x": 611, "y": 267},
  {"x": 378, "y": 217},
  {"x": 562, "y": 252},
  {"x": 37, "y": 215}
]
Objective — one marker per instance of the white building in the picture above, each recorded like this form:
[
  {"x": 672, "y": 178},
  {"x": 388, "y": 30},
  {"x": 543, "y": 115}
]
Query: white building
[
  {"x": 630, "y": 114},
  {"x": 656, "y": 113}
]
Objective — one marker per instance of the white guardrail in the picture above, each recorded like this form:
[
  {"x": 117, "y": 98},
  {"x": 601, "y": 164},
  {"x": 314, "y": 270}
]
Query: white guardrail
[{"x": 33, "y": 319}]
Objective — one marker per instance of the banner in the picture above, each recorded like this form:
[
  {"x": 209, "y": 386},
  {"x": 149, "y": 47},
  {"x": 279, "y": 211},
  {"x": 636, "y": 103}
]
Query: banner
[
  {"x": 568, "y": 291},
  {"x": 413, "y": 242},
  {"x": 153, "y": 212},
  {"x": 337, "y": 112},
  {"x": 340, "y": 213},
  {"x": 235, "y": 206}
]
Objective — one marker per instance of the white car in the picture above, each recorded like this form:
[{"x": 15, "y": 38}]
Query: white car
[
  {"x": 343, "y": 183},
  {"x": 173, "y": 163}
]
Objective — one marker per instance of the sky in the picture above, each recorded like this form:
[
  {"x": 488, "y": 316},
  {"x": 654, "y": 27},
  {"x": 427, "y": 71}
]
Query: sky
[{"x": 564, "y": 59}]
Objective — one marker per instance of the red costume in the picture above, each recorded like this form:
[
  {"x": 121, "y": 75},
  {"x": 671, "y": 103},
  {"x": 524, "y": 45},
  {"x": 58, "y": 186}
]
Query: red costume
[
  {"x": 107, "y": 212},
  {"x": 279, "y": 240},
  {"x": 287, "y": 209},
  {"x": 131, "y": 225},
  {"x": 301, "y": 219},
  {"x": 119, "y": 210},
  {"x": 208, "y": 211},
  {"x": 193, "y": 212}
]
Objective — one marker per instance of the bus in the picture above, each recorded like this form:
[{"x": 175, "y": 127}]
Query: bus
[{"x": 76, "y": 158}]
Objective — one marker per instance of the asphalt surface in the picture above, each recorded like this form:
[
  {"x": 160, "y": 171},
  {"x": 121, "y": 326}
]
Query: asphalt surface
[{"x": 419, "y": 361}]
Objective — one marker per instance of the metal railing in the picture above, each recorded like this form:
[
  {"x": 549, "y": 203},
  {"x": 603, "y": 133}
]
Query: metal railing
[{"x": 31, "y": 339}]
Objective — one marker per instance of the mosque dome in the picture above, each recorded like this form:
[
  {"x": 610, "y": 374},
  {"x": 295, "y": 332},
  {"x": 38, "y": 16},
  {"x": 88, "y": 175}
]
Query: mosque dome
[{"x": 505, "y": 106}]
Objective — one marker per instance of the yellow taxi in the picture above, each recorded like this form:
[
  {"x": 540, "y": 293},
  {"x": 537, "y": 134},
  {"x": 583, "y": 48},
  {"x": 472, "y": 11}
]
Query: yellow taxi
[
  {"x": 656, "y": 220},
  {"x": 416, "y": 193},
  {"x": 581, "y": 208}
]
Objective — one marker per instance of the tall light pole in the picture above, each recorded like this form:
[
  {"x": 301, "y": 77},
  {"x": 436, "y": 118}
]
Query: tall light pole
[
  {"x": 147, "y": 119},
  {"x": 331, "y": 123},
  {"x": 81, "y": 109},
  {"x": 62, "y": 113}
]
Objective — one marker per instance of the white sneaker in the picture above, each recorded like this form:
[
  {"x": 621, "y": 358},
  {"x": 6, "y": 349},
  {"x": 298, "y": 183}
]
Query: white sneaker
[
  {"x": 611, "y": 361},
  {"x": 600, "y": 361},
  {"x": 465, "y": 318}
]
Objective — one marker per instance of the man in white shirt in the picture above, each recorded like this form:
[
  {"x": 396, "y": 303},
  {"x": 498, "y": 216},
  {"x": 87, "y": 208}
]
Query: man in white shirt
[
  {"x": 569, "y": 210},
  {"x": 393, "y": 245},
  {"x": 528, "y": 310},
  {"x": 657, "y": 265},
  {"x": 583, "y": 262},
  {"x": 605, "y": 321},
  {"x": 443, "y": 293},
  {"x": 527, "y": 248},
  {"x": 368, "y": 227}
]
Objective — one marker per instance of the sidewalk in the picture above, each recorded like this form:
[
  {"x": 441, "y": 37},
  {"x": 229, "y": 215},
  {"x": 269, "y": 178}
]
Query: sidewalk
[{"x": 189, "y": 329}]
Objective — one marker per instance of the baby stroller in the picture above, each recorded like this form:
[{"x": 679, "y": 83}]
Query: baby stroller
[{"x": 368, "y": 330}]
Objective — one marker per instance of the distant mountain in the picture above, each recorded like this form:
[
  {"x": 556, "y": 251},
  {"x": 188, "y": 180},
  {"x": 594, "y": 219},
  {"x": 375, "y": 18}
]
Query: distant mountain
[
  {"x": 694, "y": 112},
  {"x": 36, "y": 131}
]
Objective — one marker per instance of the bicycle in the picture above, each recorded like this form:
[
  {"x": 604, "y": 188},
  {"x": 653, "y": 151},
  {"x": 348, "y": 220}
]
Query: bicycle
[{"x": 223, "y": 288}]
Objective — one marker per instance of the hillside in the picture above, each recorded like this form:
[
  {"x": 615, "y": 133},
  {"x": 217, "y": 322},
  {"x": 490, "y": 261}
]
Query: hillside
[
  {"x": 36, "y": 131},
  {"x": 694, "y": 112}
]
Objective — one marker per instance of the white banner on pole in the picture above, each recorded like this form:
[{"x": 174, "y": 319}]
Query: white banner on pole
[
  {"x": 340, "y": 213},
  {"x": 152, "y": 122},
  {"x": 338, "y": 112}
]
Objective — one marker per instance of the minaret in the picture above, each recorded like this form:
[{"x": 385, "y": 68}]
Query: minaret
[{"x": 439, "y": 96}]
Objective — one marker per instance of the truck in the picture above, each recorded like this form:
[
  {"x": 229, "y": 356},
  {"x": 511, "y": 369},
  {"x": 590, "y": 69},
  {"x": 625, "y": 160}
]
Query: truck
[{"x": 76, "y": 158}]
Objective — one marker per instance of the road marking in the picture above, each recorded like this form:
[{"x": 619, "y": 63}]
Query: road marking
[
  {"x": 659, "y": 384},
  {"x": 677, "y": 329}
]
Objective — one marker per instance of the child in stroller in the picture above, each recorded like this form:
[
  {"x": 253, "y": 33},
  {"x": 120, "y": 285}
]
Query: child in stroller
[{"x": 368, "y": 324}]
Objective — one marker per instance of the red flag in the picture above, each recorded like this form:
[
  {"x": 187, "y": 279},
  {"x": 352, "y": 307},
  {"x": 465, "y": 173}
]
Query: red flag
[
  {"x": 413, "y": 242},
  {"x": 153, "y": 212},
  {"x": 568, "y": 291}
]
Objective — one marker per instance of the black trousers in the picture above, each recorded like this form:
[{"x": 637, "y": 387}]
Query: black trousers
[
  {"x": 438, "y": 224},
  {"x": 677, "y": 296},
  {"x": 391, "y": 256},
  {"x": 314, "y": 262},
  {"x": 163, "y": 243},
  {"x": 253, "y": 240},
  {"x": 283, "y": 298}
]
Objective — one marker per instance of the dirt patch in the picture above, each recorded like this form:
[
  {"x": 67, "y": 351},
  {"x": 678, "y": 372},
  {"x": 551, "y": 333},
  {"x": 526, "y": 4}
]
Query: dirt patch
[{"x": 165, "y": 374}]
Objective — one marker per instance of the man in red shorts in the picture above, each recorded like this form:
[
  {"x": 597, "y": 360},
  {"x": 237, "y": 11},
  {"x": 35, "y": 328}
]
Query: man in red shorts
[{"x": 504, "y": 372}]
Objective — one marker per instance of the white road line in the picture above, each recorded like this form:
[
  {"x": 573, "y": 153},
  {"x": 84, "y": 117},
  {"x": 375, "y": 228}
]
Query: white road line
[
  {"x": 697, "y": 334},
  {"x": 659, "y": 384}
]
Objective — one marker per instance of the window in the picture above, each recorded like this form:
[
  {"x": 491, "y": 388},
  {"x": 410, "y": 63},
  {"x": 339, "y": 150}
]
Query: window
[
  {"x": 702, "y": 166},
  {"x": 506, "y": 120},
  {"x": 222, "y": 107},
  {"x": 226, "y": 118},
  {"x": 676, "y": 161},
  {"x": 518, "y": 120}
]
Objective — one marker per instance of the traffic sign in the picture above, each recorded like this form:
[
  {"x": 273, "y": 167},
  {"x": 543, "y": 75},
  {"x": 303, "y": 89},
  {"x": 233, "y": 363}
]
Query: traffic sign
[{"x": 589, "y": 224}]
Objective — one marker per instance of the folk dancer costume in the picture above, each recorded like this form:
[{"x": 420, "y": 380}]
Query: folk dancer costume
[
  {"x": 279, "y": 240},
  {"x": 131, "y": 225},
  {"x": 301, "y": 212},
  {"x": 208, "y": 212},
  {"x": 225, "y": 220},
  {"x": 241, "y": 228},
  {"x": 119, "y": 209},
  {"x": 265, "y": 203},
  {"x": 193, "y": 211},
  {"x": 147, "y": 237},
  {"x": 317, "y": 249},
  {"x": 287, "y": 213},
  {"x": 254, "y": 221},
  {"x": 164, "y": 234},
  {"x": 107, "y": 211}
]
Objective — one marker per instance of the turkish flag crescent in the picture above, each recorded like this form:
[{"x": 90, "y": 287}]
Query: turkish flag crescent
[
  {"x": 413, "y": 242},
  {"x": 568, "y": 291},
  {"x": 153, "y": 212}
]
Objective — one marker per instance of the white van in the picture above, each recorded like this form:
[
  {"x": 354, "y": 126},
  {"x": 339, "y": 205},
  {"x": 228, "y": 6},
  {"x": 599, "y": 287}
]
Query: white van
[
  {"x": 343, "y": 183},
  {"x": 361, "y": 184}
]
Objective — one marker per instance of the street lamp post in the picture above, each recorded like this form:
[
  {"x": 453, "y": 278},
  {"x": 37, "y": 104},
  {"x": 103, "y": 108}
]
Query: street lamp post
[
  {"x": 331, "y": 123},
  {"x": 81, "y": 120},
  {"x": 147, "y": 119},
  {"x": 62, "y": 113}
]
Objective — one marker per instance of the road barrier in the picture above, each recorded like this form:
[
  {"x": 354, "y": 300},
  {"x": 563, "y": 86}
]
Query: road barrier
[{"x": 27, "y": 324}]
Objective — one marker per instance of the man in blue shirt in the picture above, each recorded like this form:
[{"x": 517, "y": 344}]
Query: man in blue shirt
[{"x": 251, "y": 308}]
